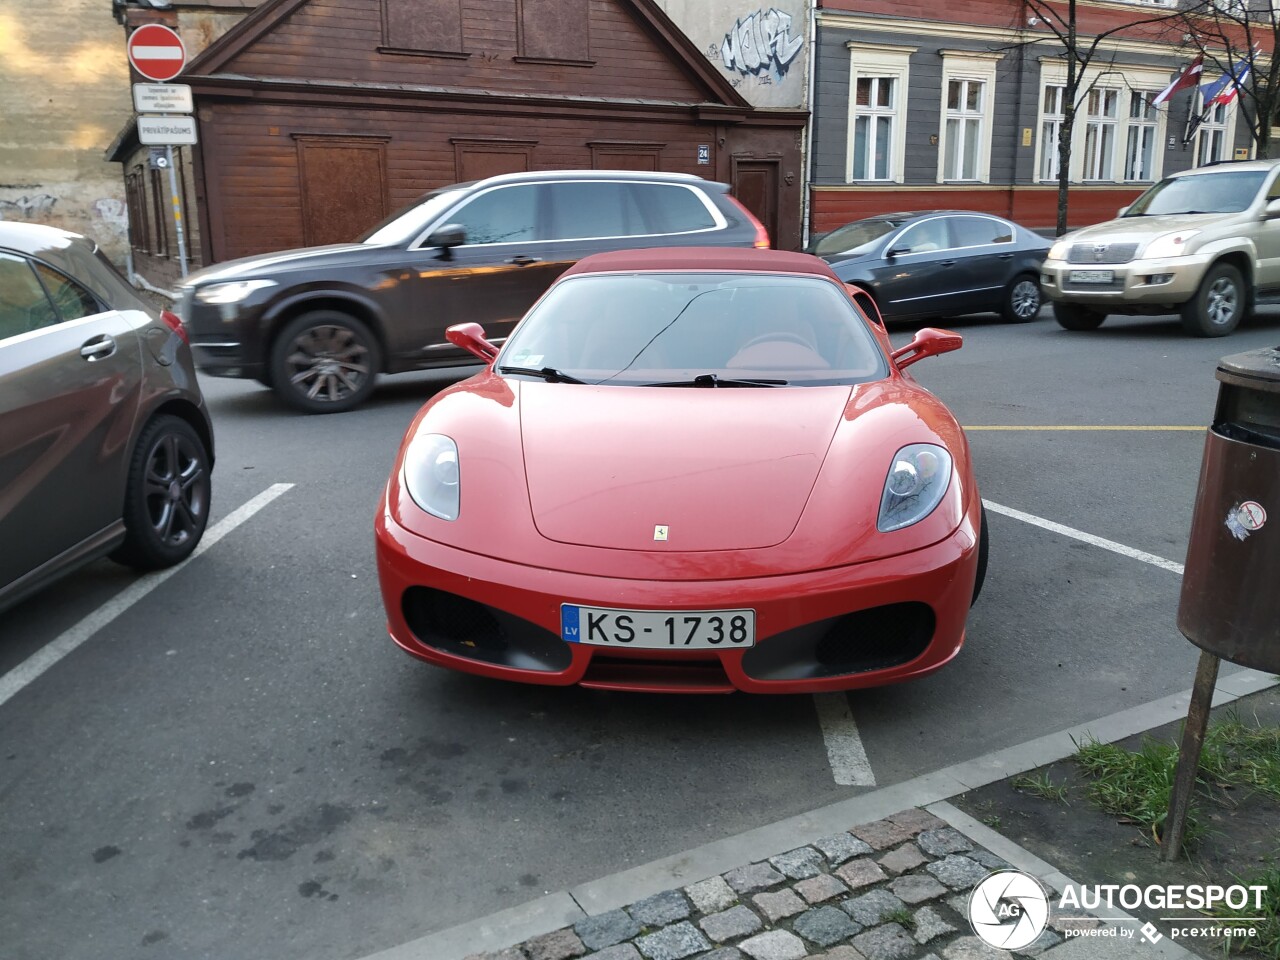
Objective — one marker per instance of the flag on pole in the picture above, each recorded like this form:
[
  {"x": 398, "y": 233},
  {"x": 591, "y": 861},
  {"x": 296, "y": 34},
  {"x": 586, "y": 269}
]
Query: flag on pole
[
  {"x": 1234, "y": 80},
  {"x": 1189, "y": 77}
]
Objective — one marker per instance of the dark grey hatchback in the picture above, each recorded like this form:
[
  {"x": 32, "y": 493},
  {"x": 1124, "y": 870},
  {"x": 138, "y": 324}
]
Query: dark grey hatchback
[
  {"x": 105, "y": 443},
  {"x": 319, "y": 324}
]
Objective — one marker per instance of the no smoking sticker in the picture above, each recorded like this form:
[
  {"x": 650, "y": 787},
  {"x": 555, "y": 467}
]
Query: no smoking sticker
[{"x": 1246, "y": 518}]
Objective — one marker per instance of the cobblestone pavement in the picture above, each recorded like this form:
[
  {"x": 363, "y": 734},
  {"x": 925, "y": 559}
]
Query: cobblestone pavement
[{"x": 894, "y": 889}]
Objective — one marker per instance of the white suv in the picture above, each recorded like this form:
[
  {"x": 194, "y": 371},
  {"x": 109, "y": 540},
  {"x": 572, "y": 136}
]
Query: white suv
[{"x": 1202, "y": 243}]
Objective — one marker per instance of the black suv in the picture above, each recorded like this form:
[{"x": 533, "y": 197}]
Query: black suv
[{"x": 317, "y": 325}]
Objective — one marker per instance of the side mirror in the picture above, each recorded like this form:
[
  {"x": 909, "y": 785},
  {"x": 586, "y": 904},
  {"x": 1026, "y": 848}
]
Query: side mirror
[
  {"x": 1122, "y": 211},
  {"x": 898, "y": 251},
  {"x": 470, "y": 337},
  {"x": 1272, "y": 209},
  {"x": 928, "y": 342},
  {"x": 865, "y": 302},
  {"x": 446, "y": 237}
]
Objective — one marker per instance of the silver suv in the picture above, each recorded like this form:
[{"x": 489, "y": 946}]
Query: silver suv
[{"x": 1201, "y": 243}]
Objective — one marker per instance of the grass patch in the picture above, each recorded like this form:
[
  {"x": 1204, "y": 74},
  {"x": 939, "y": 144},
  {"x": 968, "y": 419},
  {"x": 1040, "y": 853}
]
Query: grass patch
[
  {"x": 1039, "y": 785},
  {"x": 1267, "y": 942},
  {"x": 901, "y": 916},
  {"x": 1137, "y": 785}
]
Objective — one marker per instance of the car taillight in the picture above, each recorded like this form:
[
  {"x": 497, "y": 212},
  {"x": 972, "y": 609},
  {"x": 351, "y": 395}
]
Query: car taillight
[
  {"x": 762, "y": 235},
  {"x": 174, "y": 323}
]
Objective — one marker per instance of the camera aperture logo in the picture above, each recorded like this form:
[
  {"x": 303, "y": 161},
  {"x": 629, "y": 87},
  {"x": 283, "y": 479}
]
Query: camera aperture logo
[{"x": 1009, "y": 909}]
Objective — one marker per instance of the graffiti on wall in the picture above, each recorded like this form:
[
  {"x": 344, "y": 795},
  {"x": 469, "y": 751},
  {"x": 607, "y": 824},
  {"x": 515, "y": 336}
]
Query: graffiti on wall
[
  {"x": 27, "y": 208},
  {"x": 112, "y": 213},
  {"x": 761, "y": 44}
]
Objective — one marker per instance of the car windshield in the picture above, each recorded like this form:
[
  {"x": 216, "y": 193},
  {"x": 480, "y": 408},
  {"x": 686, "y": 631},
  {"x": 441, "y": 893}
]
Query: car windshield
[
  {"x": 405, "y": 224},
  {"x": 1228, "y": 191},
  {"x": 698, "y": 330},
  {"x": 853, "y": 238}
]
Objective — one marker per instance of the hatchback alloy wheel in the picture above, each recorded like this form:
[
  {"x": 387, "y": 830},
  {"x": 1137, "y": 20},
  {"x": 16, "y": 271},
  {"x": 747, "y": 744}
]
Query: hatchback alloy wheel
[
  {"x": 175, "y": 498},
  {"x": 167, "y": 495}
]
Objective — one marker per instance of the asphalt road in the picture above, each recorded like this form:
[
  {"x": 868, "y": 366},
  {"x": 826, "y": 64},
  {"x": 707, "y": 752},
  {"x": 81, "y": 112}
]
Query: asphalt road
[{"x": 242, "y": 765}]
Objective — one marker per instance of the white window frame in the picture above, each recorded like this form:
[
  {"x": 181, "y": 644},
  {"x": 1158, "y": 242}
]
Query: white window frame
[
  {"x": 1101, "y": 123},
  {"x": 1047, "y": 145},
  {"x": 880, "y": 60},
  {"x": 1148, "y": 120},
  {"x": 973, "y": 66},
  {"x": 1125, "y": 77},
  {"x": 1225, "y": 124}
]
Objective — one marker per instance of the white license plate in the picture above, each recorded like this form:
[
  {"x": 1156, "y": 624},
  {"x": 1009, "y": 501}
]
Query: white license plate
[
  {"x": 1092, "y": 276},
  {"x": 658, "y": 629}
]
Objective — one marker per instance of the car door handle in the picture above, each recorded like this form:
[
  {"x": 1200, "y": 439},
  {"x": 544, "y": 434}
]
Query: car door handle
[
  {"x": 523, "y": 261},
  {"x": 946, "y": 263},
  {"x": 98, "y": 348},
  {"x": 1006, "y": 256}
]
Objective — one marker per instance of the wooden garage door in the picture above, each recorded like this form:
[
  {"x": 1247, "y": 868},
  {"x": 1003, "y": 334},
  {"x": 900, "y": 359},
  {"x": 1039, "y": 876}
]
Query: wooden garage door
[{"x": 344, "y": 188}]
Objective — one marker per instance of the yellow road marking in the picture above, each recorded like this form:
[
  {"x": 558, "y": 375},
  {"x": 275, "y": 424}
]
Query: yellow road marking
[{"x": 1129, "y": 428}]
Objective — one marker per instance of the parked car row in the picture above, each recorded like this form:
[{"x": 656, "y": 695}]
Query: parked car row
[{"x": 798, "y": 457}]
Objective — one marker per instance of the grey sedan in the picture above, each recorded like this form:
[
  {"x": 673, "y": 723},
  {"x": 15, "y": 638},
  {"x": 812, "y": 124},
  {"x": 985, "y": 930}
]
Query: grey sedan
[{"x": 940, "y": 263}]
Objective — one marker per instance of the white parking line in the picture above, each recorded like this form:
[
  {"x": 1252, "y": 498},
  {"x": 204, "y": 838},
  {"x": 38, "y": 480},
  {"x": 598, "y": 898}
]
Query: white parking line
[
  {"x": 36, "y": 664},
  {"x": 848, "y": 759},
  {"x": 1089, "y": 538}
]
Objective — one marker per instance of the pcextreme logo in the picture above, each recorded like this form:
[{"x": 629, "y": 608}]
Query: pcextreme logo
[{"x": 1009, "y": 909}]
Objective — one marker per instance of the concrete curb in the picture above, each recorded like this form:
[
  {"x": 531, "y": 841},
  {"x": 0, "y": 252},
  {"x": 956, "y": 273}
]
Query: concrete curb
[{"x": 547, "y": 914}]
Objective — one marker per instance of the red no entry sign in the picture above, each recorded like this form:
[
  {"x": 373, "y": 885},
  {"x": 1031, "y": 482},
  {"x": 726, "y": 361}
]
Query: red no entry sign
[{"x": 157, "y": 52}]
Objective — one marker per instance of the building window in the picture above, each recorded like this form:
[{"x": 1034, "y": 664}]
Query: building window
[
  {"x": 1101, "y": 109},
  {"x": 878, "y": 83},
  {"x": 555, "y": 30},
  {"x": 874, "y": 117},
  {"x": 1052, "y": 115},
  {"x": 1212, "y": 136},
  {"x": 1140, "y": 143},
  {"x": 422, "y": 27},
  {"x": 136, "y": 196},
  {"x": 159, "y": 196},
  {"x": 968, "y": 95},
  {"x": 964, "y": 128}
]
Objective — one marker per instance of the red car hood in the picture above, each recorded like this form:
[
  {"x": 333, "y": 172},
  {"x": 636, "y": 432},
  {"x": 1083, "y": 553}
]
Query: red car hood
[{"x": 733, "y": 472}]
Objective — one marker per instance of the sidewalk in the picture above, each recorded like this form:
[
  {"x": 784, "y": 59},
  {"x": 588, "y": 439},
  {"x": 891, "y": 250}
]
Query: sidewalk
[{"x": 885, "y": 875}]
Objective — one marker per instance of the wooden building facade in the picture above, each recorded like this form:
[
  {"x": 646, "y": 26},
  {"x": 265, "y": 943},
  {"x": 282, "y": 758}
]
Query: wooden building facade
[{"x": 318, "y": 118}]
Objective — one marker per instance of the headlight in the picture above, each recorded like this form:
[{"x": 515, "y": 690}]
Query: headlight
[
  {"x": 431, "y": 474},
  {"x": 1059, "y": 250},
  {"x": 917, "y": 480},
  {"x": 232, "y": 292},
  {"x": 1170, "y": 245}
]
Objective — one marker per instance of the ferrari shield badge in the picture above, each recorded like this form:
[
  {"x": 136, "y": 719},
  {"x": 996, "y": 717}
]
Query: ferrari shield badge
[{"x": 660, "y": 531}]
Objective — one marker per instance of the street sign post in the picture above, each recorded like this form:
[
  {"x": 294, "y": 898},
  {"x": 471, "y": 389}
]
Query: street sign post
[
  {"x": 162, "y": 98},
  {"x": 157, "y": 52},
  {"x": 167, "y": 131}
]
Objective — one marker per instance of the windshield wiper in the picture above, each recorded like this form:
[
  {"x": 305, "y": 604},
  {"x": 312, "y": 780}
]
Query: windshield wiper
[
  {"x": 549, "y": 374},
  {"x": 711, "y": 380}
]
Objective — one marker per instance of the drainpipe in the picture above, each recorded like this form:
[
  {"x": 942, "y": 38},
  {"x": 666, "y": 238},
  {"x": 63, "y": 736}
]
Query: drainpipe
[{"x": 807, "y": 151}]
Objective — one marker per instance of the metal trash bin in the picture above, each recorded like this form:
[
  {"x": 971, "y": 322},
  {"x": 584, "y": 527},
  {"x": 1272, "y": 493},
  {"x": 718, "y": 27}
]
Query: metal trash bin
[{"x": 1230, "y": 604}]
